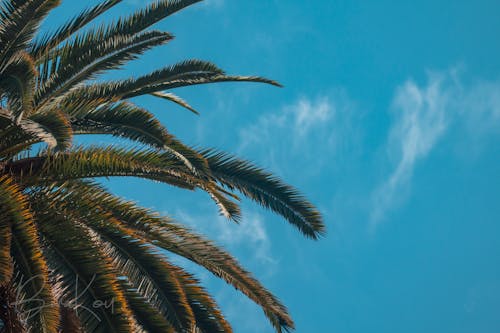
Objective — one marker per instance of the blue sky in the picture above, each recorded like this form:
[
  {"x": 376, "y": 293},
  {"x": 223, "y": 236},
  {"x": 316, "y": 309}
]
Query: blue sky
[{"x": 389, "y": 121}]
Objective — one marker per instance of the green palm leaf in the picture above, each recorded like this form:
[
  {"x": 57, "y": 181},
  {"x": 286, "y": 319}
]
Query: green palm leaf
[
  {"x": 80, "y": 268},
  {"x": 106, "y": 162},
  {"x": 60, "y": 231},
  {"x": 33, "y": 293},
  {"x": 186, "y": 73},
  {"x": 41, "y": 47},
  {"x": 209, "y": 318},
  {"x": 267, "y": 190},
  {"x": 12, "y": 210},
  {"x": 89, "y": 56},
  {"x": 101, "y": 162},
  {"x": 172, "y": 289},
  {"x": 162, "y": 232},
  {"x": 149, "y": 317},
  {"x": 20, "y": 19},
  {"x": 175, "y": 99},
  {"x": 145, "y": 18},
  {"x": 127, "y": 120},
  {"x": 16, "y": 84},
  {"x": 52, "y": 128},
  {"x": 146, "y": 270}
]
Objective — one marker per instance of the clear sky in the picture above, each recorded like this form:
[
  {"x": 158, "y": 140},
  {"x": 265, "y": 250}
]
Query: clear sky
[{"x": 389, "y": 121}]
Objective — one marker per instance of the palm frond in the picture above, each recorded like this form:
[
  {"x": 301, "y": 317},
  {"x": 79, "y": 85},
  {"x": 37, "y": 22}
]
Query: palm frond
[
  {"x": 101, "y": 162},
  {"x": 55, "y": 126},
  {"x": 12, "y": 209},
  {"x": 44, "y": 45},
  {"x": 121, "y": 119},
  {"x": 197, "y": 80},
  {"x": 267, "y": 190},
  {"x": 51, "y": 128},
  {"x": 181, "y": 74},
  {"x": 167, "y": 283},
  {"x": 79, "y": 266},
  {"x": 174, "y": 98},
  {"x": 20, "y": 20},
  {"x": 149, "y": 317},
  {"x": 185, "y": 70},
  {"x": 17, "y": 84},
  {"x": 188, "y": 69},
  {"x": 209, "y": 318},
  {"x": 90, "y": 55},
  {"x": 127, "y": 120},
  {"x": 37, "y": 304},
  {"x": 162, "y": 232},
  {"x": 227, "y": 207},
  {"x": 145, "y": 18},
  {"x": 106, "y": 162},
  {"x": 151, "y": 274}
]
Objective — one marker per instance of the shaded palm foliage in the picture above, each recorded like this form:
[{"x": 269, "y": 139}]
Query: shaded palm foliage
[{"x": 60, "y": 230}]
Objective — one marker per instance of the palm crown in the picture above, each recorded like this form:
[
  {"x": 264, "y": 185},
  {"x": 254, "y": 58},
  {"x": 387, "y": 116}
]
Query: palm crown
[{"x": 59, "y": 228}]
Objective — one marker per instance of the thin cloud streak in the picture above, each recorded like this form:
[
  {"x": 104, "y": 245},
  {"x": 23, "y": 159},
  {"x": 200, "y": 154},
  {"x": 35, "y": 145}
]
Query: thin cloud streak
[
  {"x": 297, "y": 119},
  {"x": 310, "y": 132},
  {"x": 422, "y": 115},
  {"x": 420, "y": 121}
]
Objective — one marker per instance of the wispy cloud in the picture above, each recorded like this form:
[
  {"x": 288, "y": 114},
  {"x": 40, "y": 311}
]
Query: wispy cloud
[
  {"x": 311, "y": 129},
  {"x": 421, "y": 116},
  {"x": 479, "y": 111},
  {"x": 419, "y": 121},
  {"x": 298, "y": 119},
  {"x": 307, "y": 114}
]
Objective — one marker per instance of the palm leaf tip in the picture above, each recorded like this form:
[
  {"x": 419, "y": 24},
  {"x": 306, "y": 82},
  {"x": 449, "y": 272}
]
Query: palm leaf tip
[
  {"x": 175, "y": 99},
  {"x": 267, "y": 190}
]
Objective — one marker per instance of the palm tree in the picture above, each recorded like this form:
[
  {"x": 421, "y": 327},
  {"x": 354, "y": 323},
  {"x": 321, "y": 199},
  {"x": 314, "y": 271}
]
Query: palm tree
[{"x": 61, "y": 231}]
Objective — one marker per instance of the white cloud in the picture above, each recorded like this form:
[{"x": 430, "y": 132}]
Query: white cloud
[
  {"x": 308, "y": 132},
  {"x": 307, "y": 115},
  {"x": 297, "y": 119},
  {"x": 479, "y": 108},
  {"x": 419, "y": 122},
  {"x": 421, "y": 116}
]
